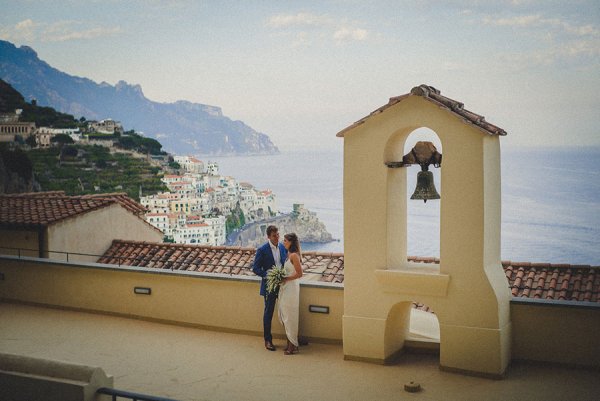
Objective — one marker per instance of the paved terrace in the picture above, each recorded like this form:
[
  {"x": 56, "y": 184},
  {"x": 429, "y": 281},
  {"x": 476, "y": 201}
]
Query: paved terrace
[{"x": 192, "y": 364}]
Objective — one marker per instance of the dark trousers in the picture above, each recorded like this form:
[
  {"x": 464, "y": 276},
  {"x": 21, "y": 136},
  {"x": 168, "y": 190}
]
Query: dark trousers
[{"x": 270, "y": 300}]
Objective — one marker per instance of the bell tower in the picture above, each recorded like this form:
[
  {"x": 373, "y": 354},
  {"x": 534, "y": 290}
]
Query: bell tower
[{"x": 467, "y": 289}]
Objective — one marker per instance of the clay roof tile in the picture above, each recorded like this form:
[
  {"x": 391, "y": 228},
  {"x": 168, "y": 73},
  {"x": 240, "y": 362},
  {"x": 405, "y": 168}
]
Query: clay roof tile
[{"x": 524, "y": 279}]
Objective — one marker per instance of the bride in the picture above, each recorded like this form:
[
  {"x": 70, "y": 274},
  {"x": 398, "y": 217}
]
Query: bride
[{"x": 289, "y": 293}]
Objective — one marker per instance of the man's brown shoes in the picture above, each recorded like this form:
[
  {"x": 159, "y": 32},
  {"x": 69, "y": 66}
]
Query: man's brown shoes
[{"x": 269, "y": 346}]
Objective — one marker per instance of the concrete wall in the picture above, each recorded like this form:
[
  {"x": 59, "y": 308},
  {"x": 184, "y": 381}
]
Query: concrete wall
[
  {"x": 202, "y": 299},
  {"x": 19, "y": 239},
  {"x": 556, "y": 331},
  {"x": 93, "y": 232},
  {"x": 31, "y": 379},
  {"x": 542, "y": 331}
]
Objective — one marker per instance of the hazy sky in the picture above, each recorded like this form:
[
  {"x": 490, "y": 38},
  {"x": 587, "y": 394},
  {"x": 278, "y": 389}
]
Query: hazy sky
[{"x": 300, "y": 71}]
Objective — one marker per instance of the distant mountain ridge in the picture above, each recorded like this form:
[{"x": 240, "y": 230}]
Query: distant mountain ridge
[{"x": 182, "y": 127}]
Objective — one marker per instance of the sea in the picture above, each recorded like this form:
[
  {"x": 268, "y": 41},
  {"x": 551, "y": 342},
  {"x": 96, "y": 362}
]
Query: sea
[{"x": 550, "y": 200}]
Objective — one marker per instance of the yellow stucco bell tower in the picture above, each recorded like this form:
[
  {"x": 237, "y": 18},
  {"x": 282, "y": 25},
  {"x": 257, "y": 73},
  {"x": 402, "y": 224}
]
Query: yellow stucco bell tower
[{"x": 467, "y": 290}]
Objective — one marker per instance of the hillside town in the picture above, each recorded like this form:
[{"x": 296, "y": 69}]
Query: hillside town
[
  {"x": 192, "y": 203},
  {"x": 199, "y": 201},
  {"x": 195, "y": 208}
]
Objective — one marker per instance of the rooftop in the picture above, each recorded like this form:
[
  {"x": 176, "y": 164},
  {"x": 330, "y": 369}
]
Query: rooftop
[
  {"x": 192, "y": 364},
  {"x": 40, "y": 209},
  {"x": 561, "y": 282},
  {"x": 433, "y": 95}
]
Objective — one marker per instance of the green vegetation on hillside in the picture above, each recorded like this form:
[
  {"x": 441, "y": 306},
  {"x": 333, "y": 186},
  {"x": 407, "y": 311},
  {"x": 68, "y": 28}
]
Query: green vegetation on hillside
[
  {"x": 48, "y": 117},
  {"x": 132, "y": 140},
  {"x": 74, "y": 168},
  {"x": 235, "y": 220},
  {"x": 84, "y": 169},
  {"x": 15, "y": 160}
]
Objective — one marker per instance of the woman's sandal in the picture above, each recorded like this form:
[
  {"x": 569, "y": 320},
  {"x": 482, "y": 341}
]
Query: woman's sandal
[{"x": 291, "y": 351}]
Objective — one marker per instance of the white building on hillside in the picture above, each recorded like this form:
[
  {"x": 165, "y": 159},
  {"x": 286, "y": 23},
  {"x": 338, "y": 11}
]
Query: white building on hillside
[
  {"x": 160, "y": 221},
  {"x": 198, "y": 203},
  {"x": 106, "y": 126},
  {"x": 44, "y": 135},
  {"x": 190, "y": 164}
]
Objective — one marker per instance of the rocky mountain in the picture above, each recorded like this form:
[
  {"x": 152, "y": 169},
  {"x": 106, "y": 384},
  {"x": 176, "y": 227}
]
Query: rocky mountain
[{"x": 182, "y": 127}]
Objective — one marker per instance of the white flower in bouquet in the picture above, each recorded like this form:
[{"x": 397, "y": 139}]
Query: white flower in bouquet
[{"x": 275, "y": 277}]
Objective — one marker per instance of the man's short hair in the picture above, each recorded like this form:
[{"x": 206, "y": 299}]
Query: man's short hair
[{"x": 271, "y": 230}]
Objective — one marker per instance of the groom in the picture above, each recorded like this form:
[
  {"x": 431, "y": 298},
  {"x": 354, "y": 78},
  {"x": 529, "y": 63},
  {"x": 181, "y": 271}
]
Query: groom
[{"x": 270, "y": 254}]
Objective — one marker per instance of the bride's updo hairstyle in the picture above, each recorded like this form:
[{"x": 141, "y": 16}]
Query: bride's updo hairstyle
[{"x": 294, "y": 243}]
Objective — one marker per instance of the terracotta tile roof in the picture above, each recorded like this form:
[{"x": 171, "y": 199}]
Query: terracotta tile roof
[
  {"x": 197, "y": 224},
  {"x": 529, "y": 280},
  {"x": 39, "y": 211},
  {"x": 180, "y": 257},
  {"x": 325, "y": 267},
  {"x": 433, "y": 95},
  {"x": 554, "y": 281},
  {"x": 121, "y": 197}
]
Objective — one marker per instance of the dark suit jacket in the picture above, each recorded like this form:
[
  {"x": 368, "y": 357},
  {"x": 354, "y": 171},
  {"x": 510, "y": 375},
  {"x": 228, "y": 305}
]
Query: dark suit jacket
[{"x": 264, "y": 261}]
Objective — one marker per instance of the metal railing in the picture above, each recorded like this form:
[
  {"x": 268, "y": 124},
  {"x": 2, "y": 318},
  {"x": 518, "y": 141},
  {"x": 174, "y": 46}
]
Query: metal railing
[
  {"x": 115, "y": 393},
  {"x": 33, "y": 253}
]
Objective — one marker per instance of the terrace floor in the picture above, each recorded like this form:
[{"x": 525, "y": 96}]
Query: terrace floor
[{"x": 192, "y": 364}]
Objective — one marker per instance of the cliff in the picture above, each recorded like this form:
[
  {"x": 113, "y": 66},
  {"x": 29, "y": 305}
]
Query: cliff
[
  {"x": 301, "y": 221},
  {"x": 182, "y": 127}
]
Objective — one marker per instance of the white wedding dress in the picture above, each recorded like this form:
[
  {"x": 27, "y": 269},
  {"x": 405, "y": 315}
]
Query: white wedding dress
[{"x": 289, "y": 304}]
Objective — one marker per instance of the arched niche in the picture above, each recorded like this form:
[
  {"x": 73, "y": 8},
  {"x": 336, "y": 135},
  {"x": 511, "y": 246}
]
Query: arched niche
[{"x": 400, "y": 186}]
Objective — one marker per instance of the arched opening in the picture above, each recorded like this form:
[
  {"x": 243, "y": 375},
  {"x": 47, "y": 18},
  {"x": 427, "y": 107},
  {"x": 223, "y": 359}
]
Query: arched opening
[
  {"x": 424, "y": 323},
  {"x": 413, "y": 226},
  {"x": 423, "y": 218},
  {"x": 411, "y": 322}
]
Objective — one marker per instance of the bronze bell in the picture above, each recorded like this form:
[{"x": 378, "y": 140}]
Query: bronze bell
[
  {"x": 423, "y": 154},
  {"x": 425, "y": 187}
]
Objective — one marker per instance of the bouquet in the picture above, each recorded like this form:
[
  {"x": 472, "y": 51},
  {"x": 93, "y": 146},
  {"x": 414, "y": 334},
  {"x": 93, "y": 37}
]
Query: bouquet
[{"x": 275, "y": 277}]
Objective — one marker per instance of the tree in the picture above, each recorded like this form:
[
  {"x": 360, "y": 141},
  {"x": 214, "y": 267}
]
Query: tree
[
  {"x": 61, "y": 139},
  {"x": 235, "y": 220},
  {"x": 69, "y": 152},
  {"x": 16, "y": 160},
  {"x": 31, "y": 141}
]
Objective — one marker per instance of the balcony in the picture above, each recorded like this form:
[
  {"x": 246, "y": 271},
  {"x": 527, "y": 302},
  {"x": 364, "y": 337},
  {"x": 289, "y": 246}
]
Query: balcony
[
  {"x": 196, "y": 335},
  {"x": 190, "y": 364}
]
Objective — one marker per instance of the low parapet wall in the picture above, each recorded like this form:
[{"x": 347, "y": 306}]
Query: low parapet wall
[
  {"x": 546, "y": 331},
  {"x": 563, "y": 332},
  {"x": 206, "y": 300},
  {"x": 31, "y": 379}
]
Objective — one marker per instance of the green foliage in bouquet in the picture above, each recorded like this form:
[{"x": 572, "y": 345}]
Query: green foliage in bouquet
[{"x": 275, "y": 277}]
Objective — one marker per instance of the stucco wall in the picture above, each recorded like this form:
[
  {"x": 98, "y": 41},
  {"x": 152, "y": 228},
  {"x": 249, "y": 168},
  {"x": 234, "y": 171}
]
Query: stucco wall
[
  {"x": 563, "y": 332},
  {"x": 93, "y": 232},
  {"x": 542, "y": 331},
  {"x": 23, "y": 240},
  {"x": 379, "y": 282},
  {"x": 201, "y": 299}
]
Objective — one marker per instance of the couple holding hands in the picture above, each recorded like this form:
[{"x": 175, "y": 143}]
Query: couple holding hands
[{"x": 284, "y": 255}]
